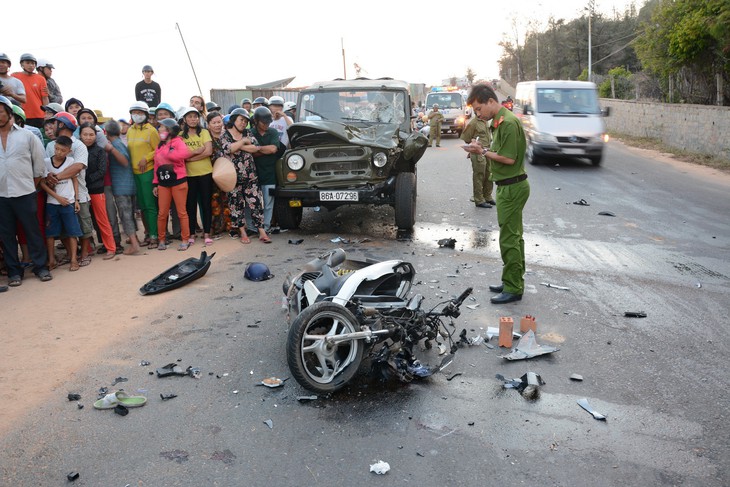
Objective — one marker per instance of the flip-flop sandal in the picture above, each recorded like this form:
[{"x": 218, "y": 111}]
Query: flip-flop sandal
[
  {"x": 109, "y": 255},
  {"x": 265, "y": 239},
  {"x": 63, "y": 261},
  {"x": 245, "y": 240},
  {"x": 74, "y": 266},
  {"x": 85, "y": 261},
  {"x": 208, "y": 241},
  {"x": 52, "y": 266},
  {"x": 183, "y": 247},
  {"x": 113, "y": 399},
  {"x": 15, "y": 281}
]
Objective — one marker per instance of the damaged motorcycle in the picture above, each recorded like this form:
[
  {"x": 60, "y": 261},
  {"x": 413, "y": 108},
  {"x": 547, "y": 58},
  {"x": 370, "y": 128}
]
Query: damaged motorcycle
[{"x": 344, "y": 311}]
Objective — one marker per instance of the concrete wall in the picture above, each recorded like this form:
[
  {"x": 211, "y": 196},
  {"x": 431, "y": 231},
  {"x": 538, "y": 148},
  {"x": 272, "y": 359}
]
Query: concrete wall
[{"x": 696, "y": 128}]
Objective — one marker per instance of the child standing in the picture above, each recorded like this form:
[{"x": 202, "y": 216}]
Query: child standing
[
  {"x": 62, "y": 205},
  {"x": 170, "y": 181}
]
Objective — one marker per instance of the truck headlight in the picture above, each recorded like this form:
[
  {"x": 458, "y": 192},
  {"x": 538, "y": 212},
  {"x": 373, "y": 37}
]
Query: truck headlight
[
  {"x": 380, "y": 159},
  {"x": 605, "y": 138},
  {"x": 295, "y": 162}
]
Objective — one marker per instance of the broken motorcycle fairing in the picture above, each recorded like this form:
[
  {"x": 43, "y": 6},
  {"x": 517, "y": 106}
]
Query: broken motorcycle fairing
[{"x": 341, "y": 309}]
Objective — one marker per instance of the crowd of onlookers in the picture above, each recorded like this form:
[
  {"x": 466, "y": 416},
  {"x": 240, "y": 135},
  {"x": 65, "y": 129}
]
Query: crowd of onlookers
[{"x": 72, "y": 187}]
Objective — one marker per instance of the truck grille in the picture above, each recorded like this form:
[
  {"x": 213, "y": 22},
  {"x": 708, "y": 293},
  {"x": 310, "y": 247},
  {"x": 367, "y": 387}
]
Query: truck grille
[
  {"x": 339, "y": 152},
  {"x": 354, "y": 168}
]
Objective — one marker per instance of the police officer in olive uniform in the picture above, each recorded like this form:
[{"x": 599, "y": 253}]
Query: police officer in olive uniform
[
  {"x": 477, "y": 131},
  {"x": 434, "y": 126},
  {"x": 506, "y": 154}
]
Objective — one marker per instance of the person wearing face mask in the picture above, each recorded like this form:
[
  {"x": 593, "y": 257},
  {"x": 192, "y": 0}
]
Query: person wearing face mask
[
  {"x": 170, "y": 180},
  {"x": 142, "y": 141}
]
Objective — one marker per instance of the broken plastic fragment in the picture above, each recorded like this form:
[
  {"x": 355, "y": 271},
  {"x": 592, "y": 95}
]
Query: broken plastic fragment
[
  {"x": 118, "y": 380},
  {"x": 581, "y": 202},
  {"x": 121, "y": 410},
  {"x": 606, "y": 213},
  {"x": 576, "y": 377},
  {"x": 296, "y": 242},
  {"x": 562, "y": 288},
  {"x": 306, "y": 398},
  {"x": 72, "y": 476},
  {"x": 635, "y": 314},
  {"x": 74, "y": 397},
  {"x": 269, "y": 423},
  {"x": 442, "y": 349},
  {"x": 528, "y": 347},
  {"x": 144, "y": 363},
  {"x": 166, "y": 397},
  {"x": 194, "y": 372},
  {"x": 340, "y": 240},
  {"x": 584, "y": 404},
  {"x": 447, "y": 242},
  {"x": 472, "y": 306},
  {"x": 380, "y": 468},
  {"x": 272, "y": 382}
]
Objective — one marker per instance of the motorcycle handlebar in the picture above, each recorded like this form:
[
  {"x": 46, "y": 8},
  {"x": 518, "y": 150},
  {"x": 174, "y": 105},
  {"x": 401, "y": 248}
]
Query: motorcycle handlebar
[{"x": 460, "y": 300}]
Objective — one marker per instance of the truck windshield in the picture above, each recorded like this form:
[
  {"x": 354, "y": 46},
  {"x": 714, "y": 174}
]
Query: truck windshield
[
  {"x": 567, "y": 100},
  {"x": 444, "y": 100},
  {"x": 352, "y": 107}
]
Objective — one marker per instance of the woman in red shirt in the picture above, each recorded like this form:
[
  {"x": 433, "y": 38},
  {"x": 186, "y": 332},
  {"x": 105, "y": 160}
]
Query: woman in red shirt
[{"x": 170, "y": 181}]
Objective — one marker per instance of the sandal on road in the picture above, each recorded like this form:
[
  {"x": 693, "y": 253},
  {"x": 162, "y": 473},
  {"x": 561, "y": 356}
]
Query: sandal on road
[
  {"x": 85, "y": 261},
  {"x": 170, "y": 369},
  {"x": 74, "y": 266},
  {"x": 110, "y": 401}
]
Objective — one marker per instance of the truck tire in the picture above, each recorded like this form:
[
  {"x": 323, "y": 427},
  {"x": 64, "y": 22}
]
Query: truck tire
[
  {"x": 596, "y": 160},
  {"x": 405, "y": 200},
  {"x": 288, "y": 218}
]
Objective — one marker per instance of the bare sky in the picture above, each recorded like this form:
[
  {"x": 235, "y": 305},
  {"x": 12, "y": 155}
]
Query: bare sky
[{"x": 99, "y": 57}]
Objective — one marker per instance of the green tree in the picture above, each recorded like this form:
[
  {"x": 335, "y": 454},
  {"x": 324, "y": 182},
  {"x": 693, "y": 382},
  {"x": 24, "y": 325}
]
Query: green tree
[
  {"x": 470, "y": 75},
  {"x": 622, "y": 85}
]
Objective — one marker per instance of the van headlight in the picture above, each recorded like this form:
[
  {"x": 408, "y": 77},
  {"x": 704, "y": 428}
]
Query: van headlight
[
  {"x": 295, "y": 162},
  {"x": 380, "y": 159},
  {"x": 605, "y": 138},
  {"x": 541, "y": 137}
]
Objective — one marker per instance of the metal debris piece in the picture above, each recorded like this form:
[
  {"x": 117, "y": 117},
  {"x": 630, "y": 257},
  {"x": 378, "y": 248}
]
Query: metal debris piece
[
  {"x": 269, "y": 423},
  {"x": 607, "y": 213},
  {"x": 447, "y": 242},
  {"x": 442, "y": 349},
  {"x": 635, "y": 314},
  {"x": 454, "y": 376},
  {"x": 166, "y": 397},
  {"x": 581, "y": 202},
  {"x": 562, "y": 288},
  {"x": 306, "y": 398},
  {"x": 340, "y": 240},
  {"x": 452, "y": 275},
  {"x": 472, "y": 306},
  {"x": 493, "y": 331},
  {"x": 194, "y": 372},
  {"x": 72, "y": 476},
  {"x": 584, "y": 404},
  {"x": 476, "y": 340},
  {"x": 380, "y": 467},
  {"x": 118, "y": 380},
  {"x": 576, "y": 377},
  {"x": 528, "y": 347},
  {"x": 296, "y": 241},
  {"x": 144, "y": 363}
]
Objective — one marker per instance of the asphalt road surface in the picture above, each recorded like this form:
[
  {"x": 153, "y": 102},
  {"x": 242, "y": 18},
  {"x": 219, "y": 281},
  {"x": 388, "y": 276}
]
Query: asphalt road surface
[{"x": 661, "y": 380}]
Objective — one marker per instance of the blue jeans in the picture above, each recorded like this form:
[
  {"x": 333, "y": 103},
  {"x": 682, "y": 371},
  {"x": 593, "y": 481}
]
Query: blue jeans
[{"x": 22, "y": 209}]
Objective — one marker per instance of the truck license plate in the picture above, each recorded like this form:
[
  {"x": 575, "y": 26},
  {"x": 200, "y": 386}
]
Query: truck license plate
[
  {"x": 574, "y": 152},
  {"x": 338, "y": 196}
]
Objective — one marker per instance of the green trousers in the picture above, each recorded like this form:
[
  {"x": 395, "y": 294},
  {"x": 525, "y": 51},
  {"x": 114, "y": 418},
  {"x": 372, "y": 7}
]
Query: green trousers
[
  {"x": 480, "y": 179},
  {"x": 434, "y": 132},
  {"x": 511, "y": 200},
  {"x": 147, "y": 201}
]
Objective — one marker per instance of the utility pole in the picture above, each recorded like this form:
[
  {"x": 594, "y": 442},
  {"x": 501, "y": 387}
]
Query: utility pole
[
  {"x": 590, "y": 61},
  {"x": 344, "y": 65},
  {"x": 537, "y": 54},
  {"x": 177, "y": 26}
]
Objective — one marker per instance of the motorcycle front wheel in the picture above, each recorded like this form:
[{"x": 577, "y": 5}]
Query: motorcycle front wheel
[{"x": 316, "y": 364}]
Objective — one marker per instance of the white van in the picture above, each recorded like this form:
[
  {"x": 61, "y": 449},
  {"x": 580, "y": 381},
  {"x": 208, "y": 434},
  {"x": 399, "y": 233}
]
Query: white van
[
  {"x": 452, "y": 104},
  {"x": 561, "y": 119}
]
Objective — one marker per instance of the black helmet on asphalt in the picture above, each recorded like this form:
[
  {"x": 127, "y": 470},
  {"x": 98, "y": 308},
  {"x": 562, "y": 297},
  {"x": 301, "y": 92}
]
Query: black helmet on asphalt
[
  {"x": 262, "y": 114},
  {"x": 257, "y": 271}
]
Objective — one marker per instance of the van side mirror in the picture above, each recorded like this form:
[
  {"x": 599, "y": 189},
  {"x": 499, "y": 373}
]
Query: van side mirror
[{"x": 606, "y": 111}]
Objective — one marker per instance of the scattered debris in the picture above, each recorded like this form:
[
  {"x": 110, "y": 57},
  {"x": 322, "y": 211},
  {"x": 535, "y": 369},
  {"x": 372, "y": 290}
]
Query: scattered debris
[
  {"x": 72, "y": 476},
  {"x": 699, "y": 285},
  {"x": 454, "y": 376},
  {"x": 528, "y": 347},
  {"x": 635, "y": 314},
  {"x": 194, "y": 372},
  {"x": 442, "y": 349},
  {"x": 167, "y": 397},
  {"x": 74, "y": 397},
  {"x": 272, "y": 382},
  {"x": 306, "y": 398},
  {"x": 506, "y": 329},
  {"x": 121, "y": 410},
  {"x": 472, "y": 306},
  {"x": 527, "y": 385},
  {"x": 144, "y": 363},
  {"x": 380, "y": 467},
  {"x": 562, "y": 288},
  {"x": 557, "y": 189},
  {"x": 493, "y": 331},
  {"x": 296, "y": 242},
  {"x": 269, "y": 423},
  {"x": 179, "y": 456},
  {"x": 79, "y": 405},
  {"x": 606, "y": 213},
  {"x": 103, "y": 391},
  {"x": 584, "y": 404},
  {"x": 581, "y": 202},
  {"x": 528, "y": 323},
  {"x": 576, "y": 377},
  {"x": 118, "y": 380},
  {"x": 170, "y": 369},
  {"x": 340, "y": 240},
  {"x": 447, "y": 242}
]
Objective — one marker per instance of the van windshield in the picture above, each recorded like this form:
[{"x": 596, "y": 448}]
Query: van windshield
[
  {"x": 444, "y": 100},
  {"x": 567, "y": 100}
]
